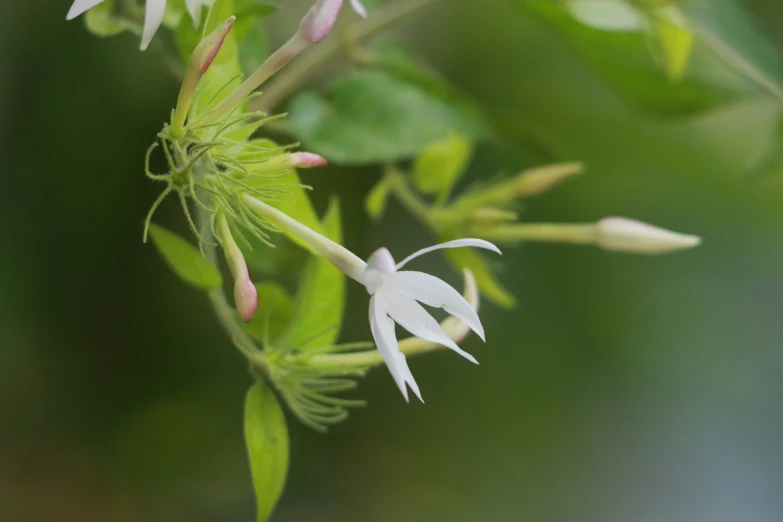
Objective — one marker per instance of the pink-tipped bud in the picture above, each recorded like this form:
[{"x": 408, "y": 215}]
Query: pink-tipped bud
[
  {"x": 206, "y": 51},
  {"x": 319, "y": 20},
  {"x": 245, "y": 298},
  {"x": 306, "y": 160}
]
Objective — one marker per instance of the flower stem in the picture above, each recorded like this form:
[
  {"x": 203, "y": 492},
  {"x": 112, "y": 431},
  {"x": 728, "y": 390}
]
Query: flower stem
[{"x": 293, "y": 76}]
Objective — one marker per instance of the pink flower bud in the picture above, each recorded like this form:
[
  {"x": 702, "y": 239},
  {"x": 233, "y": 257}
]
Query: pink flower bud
[
  {"x": 206, "y": 51},
  {"x": 320, "y": 19},
  {"x": 306, "y": 160},
  {"x": 245, "y": 298}
]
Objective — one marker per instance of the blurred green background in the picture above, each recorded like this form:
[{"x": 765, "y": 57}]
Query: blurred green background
[{"x": 621, "y": 388}]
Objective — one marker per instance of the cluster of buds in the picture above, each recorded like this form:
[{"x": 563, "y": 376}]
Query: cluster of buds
[{"x": 214, "y": 163}]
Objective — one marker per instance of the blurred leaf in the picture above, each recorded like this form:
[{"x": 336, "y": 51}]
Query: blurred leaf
[
  {"x": 375, "y": 203},
  {"x": 769, "y": 162},
  {"x": 321, "y": 296},
  {"x": 676, "y": 41},
  {"x": 622, "y": 58},
  {"x": 275, "y": 310},
  {"x": 372, "y": 116},
  {"x": 489, "y": 286},
  {"x": 250, "y": 33},
  {"x": 266, "y": 436},
  {"x": 607, "y": 15},
  {"x": 101, "y": 20},
  {"x": 441, "y": 165},
  {"x": 185, "y": 259}
]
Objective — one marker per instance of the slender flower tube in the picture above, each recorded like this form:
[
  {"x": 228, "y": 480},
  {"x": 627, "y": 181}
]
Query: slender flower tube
[
  {"x": 245, "y": 293},
  {"x": 153, "y": 15},
  {"x": 395, "y": 294}
]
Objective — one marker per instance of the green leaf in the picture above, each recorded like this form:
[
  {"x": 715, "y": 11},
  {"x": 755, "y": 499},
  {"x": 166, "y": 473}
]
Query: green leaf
[
  {"x": 769, "y": 161},
  {"x": 441, "y": 165},
  {"x": 488, "y": 284},
  {"x": 250, "y": 33},
  {"x": 373, "y": 116},
  {"x": 266, "y": 437},
  {"x": 185, "y": 259},
  {"x": 676, "y": 40},
  {"x": 274, "y": 313},
  {"x": 101, "y": 20},
  {"x": 321, "y": 296},
  {"x": 621, "y": 56},
  {"x": 375, "y": 203}
]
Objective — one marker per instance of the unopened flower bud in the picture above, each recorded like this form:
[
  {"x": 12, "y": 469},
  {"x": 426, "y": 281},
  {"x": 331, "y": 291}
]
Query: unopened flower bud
[
  {"x": 205, "y": 52},
  {"x": 536, "y": 181},
  {"x": 245, "y": 293},
  {"x": 320, "y": 19},
  {"x": 245, "y": 298},
  {"x": 628, "y": 235},
  {"x": 203, "y": 56},
  {"x": 492, "y": 216},
  {"x": 306, "y": 160}
]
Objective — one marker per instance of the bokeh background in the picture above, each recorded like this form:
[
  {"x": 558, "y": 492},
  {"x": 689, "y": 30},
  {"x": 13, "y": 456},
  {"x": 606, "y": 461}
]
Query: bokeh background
[{"x": 621, "y": 388}]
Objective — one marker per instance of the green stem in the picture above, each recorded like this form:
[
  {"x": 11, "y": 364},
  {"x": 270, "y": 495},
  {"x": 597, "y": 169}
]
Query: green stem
[
  {"x": 293, "y": 76},
  {"x": 575, "y": 233}
]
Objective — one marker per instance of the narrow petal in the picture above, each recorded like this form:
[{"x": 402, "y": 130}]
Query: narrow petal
[
  {"x": 194, "y": 10},
  {"x": 80, "y": 6},
  {"x": 437, "y": 293},
  {"x": 413, "y": 317},
  {"x": 386, "y": 341},
  {"x": 152, "y": 19},
  {"x": 457, "y": 243},
  {"x": 359, "y": 8}
]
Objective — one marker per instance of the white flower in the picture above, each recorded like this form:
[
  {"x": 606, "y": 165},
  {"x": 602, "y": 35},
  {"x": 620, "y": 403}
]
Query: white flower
[
  {"x": 395, "y": 299},
  {"x": 628, "y": 235},
  {"x": 153, "y": 16},
  {"x": 395, "y": 294}
]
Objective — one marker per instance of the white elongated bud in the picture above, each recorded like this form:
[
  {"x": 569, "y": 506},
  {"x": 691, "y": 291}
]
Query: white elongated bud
[{"x": 628, "y": 235}]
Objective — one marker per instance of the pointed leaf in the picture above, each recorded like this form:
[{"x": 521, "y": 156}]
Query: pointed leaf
[
  {"x": 185, "y": 259},
  {"x": 440, "y": 165},
  {"x": 266, "y": 437},
  {"x": 373, "y": 116},
  {"x": 321, "y": 296},
  {"x": 375, "y": 203}
]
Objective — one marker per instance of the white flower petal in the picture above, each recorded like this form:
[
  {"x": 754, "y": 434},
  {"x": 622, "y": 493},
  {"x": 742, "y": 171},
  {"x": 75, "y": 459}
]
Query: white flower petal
[
  {"x": 457, "y": 243},
  {"x": 153, "y": 17},
  {"x": 413, "y": 317},
  {"x": 437, "y": 293},
  {"x": 386, "y": 341},
  {"x": 194, "y": 10},
  {"x": 80, "y": 6},
  {"x": 359, "y": 8}
]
